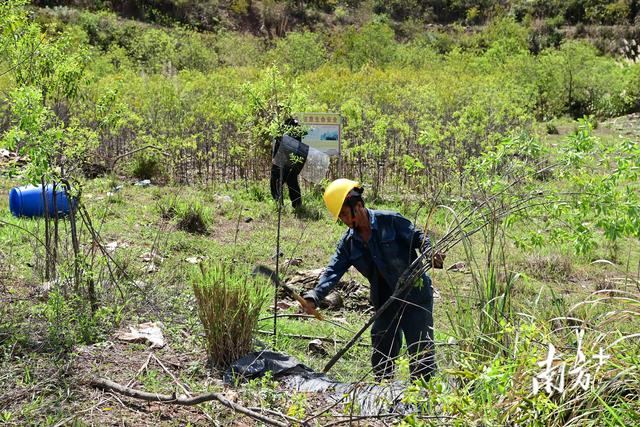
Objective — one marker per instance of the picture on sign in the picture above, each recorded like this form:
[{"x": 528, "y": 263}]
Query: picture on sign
[{"x": 323, "y": 131}]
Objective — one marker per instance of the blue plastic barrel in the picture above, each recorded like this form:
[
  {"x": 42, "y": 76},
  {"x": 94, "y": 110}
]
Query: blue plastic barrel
[{"x": 28, "y": 201}]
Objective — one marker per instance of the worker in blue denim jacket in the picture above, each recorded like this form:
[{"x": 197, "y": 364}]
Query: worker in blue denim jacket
[{"x": 381, "y": 245}]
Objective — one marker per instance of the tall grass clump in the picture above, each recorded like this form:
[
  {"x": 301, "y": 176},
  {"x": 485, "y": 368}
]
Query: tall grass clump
[
  {"x": 167, "y": 207},
  {"x": 229, "y": 306},
  {"x": 192, "y": 217},
  {"x": 147, "y": 166},
  {"x": 501, "y": 375}
]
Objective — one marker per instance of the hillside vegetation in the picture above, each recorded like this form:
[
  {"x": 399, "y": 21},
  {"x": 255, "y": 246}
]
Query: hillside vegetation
[
  {"x": 274, "y": 17},
  {"x": 209, "y": 100}
]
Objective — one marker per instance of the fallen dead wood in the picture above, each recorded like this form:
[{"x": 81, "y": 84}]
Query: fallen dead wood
[
  {"x": 356, "y": 418},
  {"x": 121, "y": 156},
  {"x": 108, "y": 385},
  {"x": 312, "y": 337}
]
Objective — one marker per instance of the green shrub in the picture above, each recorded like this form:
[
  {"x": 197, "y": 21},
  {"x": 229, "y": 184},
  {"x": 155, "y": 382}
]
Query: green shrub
[
  {"x": 506, "y": 35},
  {"x": 575, "y": 79},
  {"x": 419, "y": 52},
  {"x": 146, "y": 166},
  {"x": 167, "y": 207},
  {"x": 300, "y": 51},
  {"x": 607, "y": 12},
  {"x": 258, "y": 192},
  {"x": 228, "y": 307},
  {"x": 70, "y": 321},
  {"x": 632, "y": 89},
  {"x": 373, "y": 44},
  {"x": 192, "y": 217}
]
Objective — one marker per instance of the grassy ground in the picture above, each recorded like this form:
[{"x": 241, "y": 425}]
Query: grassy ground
[{"x": 50, "y": 348}]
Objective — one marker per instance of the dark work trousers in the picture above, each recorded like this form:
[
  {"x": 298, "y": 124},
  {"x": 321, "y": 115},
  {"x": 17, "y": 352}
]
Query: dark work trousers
[
  {"x": 415, "y": 322},
  {"x": 290, "y": 176}
]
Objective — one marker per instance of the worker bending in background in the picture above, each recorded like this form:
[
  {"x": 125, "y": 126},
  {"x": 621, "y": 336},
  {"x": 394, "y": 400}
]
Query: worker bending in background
[{"x": 381, "y": 245}]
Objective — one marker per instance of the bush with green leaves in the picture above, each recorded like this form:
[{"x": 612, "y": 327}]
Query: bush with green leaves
[
  {"x": 461, "y": 95},
  {"x": 300, "y": 52},
  {"x": 229, "y": 305},
  {"x": 47, "y": 73},
  {"x": 167, "y": 207},
  {"x": 147, "y": 166},
  {"x": 192, "y": 216},
  {"x": 70, "y": 321},
  {"x": 373, "y": 44},
  {"x": 149, "y": 47}
]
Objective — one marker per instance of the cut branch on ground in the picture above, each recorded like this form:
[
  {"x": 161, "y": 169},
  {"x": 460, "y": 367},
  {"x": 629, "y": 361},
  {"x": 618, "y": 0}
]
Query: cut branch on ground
[{"x": 108, "y": 385}]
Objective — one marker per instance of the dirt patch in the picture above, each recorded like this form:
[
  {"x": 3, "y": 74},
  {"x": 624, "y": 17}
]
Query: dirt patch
[
  {"x": 137, "y": 367},
  {"x": 627, "y": 126},
  {"x": 131, "y": 365},
  {"x": 553, "y": 267}
]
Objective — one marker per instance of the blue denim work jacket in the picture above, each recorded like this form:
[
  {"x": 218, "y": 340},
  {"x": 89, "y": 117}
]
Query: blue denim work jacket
[{"x": 391, "y": 249}]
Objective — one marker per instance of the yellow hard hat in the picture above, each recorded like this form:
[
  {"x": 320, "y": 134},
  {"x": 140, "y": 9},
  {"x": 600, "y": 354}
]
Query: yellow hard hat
[{"x": 336, "y": 193}]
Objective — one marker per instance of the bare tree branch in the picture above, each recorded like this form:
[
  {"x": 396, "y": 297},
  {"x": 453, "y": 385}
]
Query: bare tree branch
[
  {"x": 128, "y": 153},
  {"x": 108, "y": 385}
]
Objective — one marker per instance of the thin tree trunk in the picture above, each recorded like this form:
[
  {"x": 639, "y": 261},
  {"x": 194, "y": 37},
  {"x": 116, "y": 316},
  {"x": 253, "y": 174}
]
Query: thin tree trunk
[
  {"x": 47, "y": 237},
  {"x": 74, "y": 240},
  {"x": 56, "y": 236}
]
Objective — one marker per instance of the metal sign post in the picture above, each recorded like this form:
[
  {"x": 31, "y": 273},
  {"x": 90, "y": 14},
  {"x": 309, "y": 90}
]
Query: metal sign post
[{"x": 275, "y": 287}]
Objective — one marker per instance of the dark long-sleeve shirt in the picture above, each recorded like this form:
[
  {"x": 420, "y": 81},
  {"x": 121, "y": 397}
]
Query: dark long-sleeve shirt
[{"x": 391, "y": 248}]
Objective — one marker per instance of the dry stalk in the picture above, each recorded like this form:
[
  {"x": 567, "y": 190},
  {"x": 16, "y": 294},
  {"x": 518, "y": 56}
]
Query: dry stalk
[{"x": 142, "y": 368}]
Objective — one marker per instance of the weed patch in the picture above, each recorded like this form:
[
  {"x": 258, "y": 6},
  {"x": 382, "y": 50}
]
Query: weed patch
[
  {"x": 552, "y": 267},
  {"x": 192, "y": 218},
  {"x": 167, "y": 207},
  {"x": 147, "y": 166},
  {"x": 229, "y": 308}
]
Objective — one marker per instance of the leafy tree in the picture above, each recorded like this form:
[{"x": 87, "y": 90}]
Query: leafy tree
[
  {"x": 47, "y": 74},
  {"x": 299, "y": 52},
  {"x": 372, "y": 44},
  {"x": 400, "y": 10},
  {"x": 606, "y": 11}
]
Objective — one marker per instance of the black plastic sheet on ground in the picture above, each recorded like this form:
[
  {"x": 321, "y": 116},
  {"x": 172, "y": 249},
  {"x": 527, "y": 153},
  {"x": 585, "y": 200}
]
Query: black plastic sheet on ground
[{"x": 367, "y": 399}]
